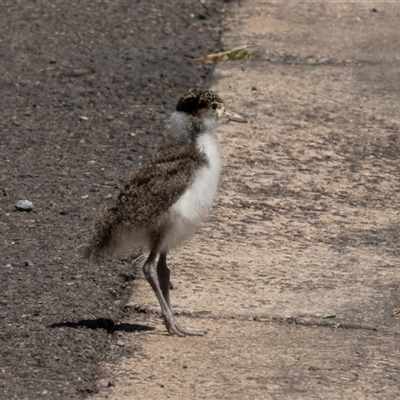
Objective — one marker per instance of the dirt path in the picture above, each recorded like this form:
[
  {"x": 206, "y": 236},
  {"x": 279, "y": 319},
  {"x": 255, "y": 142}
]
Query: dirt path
[{"x": 307, "y": 222}]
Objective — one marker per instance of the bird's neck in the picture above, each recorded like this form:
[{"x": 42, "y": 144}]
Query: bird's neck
[{"x": 187, "y": 126}]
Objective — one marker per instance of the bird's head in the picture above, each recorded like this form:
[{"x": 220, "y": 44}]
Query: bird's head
[{"x": 206, "y": 105}]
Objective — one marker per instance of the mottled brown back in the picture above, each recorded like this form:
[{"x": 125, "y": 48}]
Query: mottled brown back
[{"x": 147, "y": 196}]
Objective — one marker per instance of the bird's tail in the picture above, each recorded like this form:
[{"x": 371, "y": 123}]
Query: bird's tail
[{"x": 104, "y": 235}]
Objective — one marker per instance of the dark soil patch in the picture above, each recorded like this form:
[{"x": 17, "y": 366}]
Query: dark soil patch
[{"x": 86, "y": 88}]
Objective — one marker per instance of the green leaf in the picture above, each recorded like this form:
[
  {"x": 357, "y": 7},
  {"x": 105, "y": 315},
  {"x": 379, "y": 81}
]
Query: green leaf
[{"x": 328, "y": 315}]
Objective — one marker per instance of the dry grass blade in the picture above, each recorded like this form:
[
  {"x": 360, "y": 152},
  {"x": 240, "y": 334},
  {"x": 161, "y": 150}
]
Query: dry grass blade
[{"x": 237, "y": 53}]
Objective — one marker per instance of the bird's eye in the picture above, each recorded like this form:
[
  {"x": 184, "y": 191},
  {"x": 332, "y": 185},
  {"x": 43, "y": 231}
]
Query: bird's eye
[{"x": 214, "y": 106}]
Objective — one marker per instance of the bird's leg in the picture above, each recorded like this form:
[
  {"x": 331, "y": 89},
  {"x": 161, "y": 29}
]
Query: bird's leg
[
  {"x": 163, "y": 274},
  {"x": 149, "y": 273},
  {"x": 161, "y": 289},
  {"x": 164, "y": 282}
]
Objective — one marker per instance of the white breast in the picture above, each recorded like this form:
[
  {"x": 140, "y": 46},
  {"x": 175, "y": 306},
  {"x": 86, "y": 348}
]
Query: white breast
[{"x": 195, "y": 204}]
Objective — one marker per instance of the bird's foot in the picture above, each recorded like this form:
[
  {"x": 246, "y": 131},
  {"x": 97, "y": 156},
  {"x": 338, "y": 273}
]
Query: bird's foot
[{"x": 179, "y": 330}]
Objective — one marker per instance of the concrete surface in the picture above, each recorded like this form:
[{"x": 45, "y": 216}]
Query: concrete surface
[{"x": 306, "y": 222}]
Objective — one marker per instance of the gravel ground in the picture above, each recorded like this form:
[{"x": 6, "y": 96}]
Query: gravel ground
[{"x": 86, "y": 90}]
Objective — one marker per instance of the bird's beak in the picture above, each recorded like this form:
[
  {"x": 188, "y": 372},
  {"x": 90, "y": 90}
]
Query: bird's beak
[{"x": 232, "y": 116}]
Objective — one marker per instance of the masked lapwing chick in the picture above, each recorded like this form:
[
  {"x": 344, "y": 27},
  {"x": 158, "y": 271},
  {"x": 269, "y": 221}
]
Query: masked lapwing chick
[{"x": 164, "y": 203}]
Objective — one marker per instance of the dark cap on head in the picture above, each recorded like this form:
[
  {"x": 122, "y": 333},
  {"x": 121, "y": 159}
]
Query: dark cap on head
[{"x": 195, "y": 100}]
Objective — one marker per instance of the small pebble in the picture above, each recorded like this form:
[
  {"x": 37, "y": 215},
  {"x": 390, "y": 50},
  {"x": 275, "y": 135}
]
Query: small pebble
[
  {"x": 24, "y": 205},
  {"x": 120, "y": 343},
  {"x": 29, "y": 263}
]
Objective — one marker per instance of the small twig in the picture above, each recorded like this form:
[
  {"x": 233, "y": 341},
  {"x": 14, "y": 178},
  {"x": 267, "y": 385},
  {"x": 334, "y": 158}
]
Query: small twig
[
  {"x": 102, "y": 185},
  {"x": 138, "y": 257},
  {"x": 203, "y": 5},
  {"x": 214, "y": 57}
]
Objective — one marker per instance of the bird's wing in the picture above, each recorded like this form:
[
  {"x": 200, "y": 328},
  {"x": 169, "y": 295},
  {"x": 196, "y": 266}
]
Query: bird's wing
[
  {"x": 154, "y": 188},
  {"x": 146, "y": 196}
]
